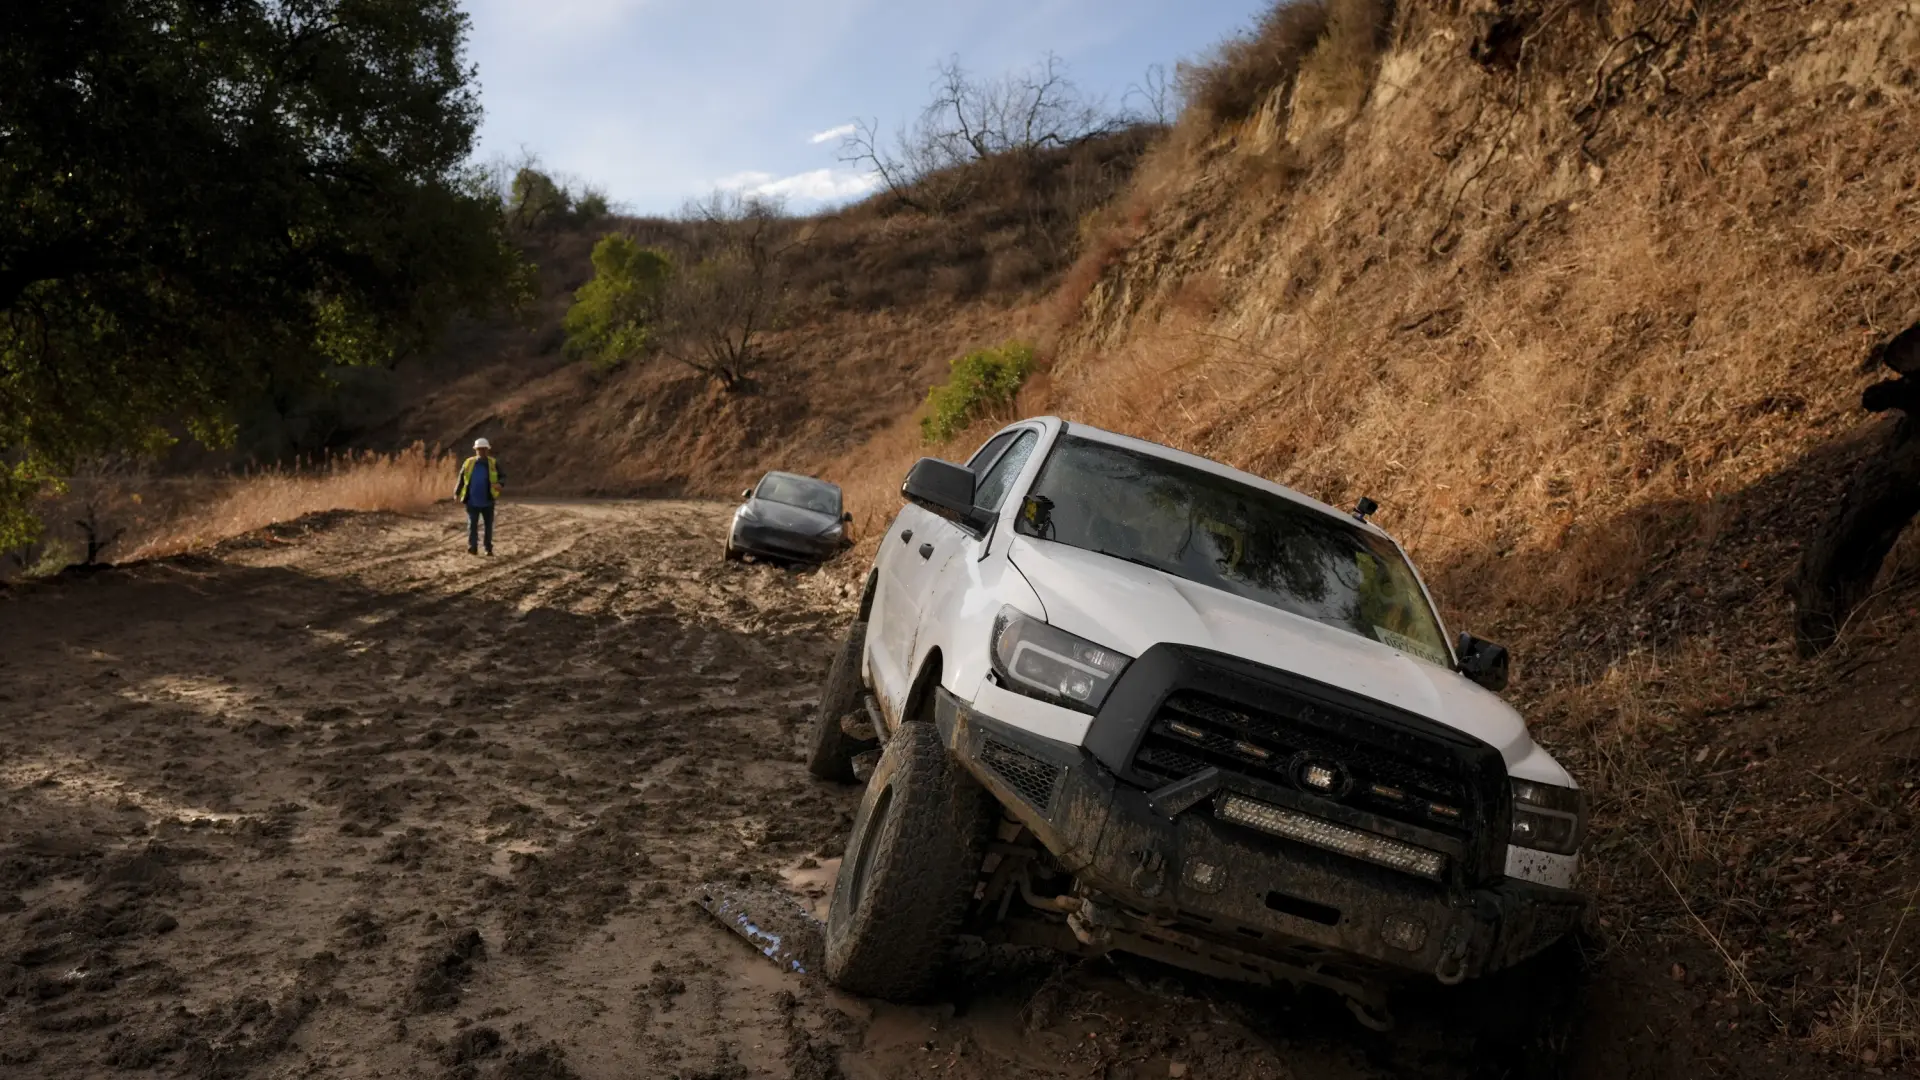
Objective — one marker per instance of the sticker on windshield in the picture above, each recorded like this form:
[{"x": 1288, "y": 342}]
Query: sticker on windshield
[{"x": 1408, "y": 645}]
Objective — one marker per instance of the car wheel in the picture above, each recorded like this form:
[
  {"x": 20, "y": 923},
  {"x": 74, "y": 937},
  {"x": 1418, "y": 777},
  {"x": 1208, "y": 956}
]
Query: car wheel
[
  {"x": 833, "y": 749},
  {"x": 732, "y": 554},
  {"x": 908, "y": 873}
]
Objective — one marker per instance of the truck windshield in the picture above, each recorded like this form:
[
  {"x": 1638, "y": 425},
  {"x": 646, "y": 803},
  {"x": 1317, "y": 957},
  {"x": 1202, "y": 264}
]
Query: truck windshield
[
  {"x": 1222, "y": 533},
  {"x": 803, "y": 492}
]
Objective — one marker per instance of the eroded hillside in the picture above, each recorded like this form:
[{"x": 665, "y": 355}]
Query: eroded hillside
[{"x": 1581, "y": 293}]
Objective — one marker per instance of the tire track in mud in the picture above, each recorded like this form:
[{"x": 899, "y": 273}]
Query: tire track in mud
[{"x": 362, "y": 804}]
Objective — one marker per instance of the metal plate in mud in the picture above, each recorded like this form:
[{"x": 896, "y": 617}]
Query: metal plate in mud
[{"x": 773, "y": 921}]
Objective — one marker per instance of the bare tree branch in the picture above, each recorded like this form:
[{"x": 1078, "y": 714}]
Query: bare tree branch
[
  {"x": 969, "y": 120},
  {"x": 1155, "y": 99},
  {"x": 731, "y": 286}
]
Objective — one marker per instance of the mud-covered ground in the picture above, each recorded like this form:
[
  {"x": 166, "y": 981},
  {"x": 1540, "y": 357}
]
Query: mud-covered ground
[{"x": 340, "y": 800}]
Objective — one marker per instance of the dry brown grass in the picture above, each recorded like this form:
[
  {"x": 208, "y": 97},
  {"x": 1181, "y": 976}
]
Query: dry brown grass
[
  {"x": 1245, "y": 71},
  {"x": 404, "y": 482}
]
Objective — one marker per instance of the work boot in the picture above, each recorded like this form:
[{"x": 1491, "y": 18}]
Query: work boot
[
  {"x": 473, "y": 551},
  {"x": 489, "y": 551}
]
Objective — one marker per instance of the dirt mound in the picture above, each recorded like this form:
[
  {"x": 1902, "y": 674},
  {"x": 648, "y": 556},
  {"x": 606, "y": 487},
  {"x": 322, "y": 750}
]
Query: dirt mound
[{"x": 444, "y": 973}]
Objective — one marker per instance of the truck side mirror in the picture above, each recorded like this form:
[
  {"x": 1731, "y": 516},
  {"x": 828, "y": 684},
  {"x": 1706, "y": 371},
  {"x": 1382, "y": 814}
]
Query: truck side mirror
[
  {"x": 945, "y": 489},
  {"x": 1483, "y": 661}
]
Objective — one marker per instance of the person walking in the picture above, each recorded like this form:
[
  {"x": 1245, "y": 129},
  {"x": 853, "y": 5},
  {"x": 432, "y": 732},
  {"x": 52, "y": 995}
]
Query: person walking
[{"x": 479, "y": 490}]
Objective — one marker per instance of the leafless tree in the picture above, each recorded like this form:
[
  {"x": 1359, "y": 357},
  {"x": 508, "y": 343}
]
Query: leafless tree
[
  {"x": 970, "y": 119},
  {"x": 730, "y": 285},
  {"x": 1155, "y": 99}
]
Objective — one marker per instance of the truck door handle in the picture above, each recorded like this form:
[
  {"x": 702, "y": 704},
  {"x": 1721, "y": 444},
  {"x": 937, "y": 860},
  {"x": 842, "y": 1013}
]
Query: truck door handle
[
  {"x": 906, "y": 535},
  {"x": 926, "y": 551}
]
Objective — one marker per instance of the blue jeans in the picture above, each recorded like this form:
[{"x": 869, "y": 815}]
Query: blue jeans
[{"x": 476, "y": 514}]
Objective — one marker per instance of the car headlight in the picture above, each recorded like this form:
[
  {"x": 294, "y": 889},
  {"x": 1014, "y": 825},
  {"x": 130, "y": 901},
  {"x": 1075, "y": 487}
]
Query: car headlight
[
  {"x": 833, "y": 531},
  {"x": 1548, "y": 817},
  {"x": 1043, "y": 661}
]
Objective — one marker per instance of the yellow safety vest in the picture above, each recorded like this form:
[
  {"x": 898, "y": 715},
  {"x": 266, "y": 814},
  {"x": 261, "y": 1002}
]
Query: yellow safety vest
[{"x": 466, "y": 475}]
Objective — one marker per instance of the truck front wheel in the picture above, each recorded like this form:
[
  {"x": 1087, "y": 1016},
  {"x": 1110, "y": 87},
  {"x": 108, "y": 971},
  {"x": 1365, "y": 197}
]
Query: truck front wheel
[{"x": 908, "y": 873}]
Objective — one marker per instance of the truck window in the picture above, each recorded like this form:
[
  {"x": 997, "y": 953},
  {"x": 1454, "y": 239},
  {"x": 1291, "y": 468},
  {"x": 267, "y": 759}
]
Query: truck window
[
  {"x": 1218, "y": 532},
  {"x": 992, "y": 489}
]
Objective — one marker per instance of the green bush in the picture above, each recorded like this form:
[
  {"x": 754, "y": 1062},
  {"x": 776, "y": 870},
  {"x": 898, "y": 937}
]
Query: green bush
[
  {"x": 981, "y": 380},
  {"x": 612, "y": 314}
]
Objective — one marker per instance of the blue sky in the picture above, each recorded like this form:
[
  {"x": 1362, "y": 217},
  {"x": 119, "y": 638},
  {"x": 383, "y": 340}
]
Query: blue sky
[{"x": 657, "y": 101}]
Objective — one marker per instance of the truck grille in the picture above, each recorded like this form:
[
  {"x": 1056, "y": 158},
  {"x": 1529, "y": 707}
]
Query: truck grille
[{"x": 1303, "y": 745}]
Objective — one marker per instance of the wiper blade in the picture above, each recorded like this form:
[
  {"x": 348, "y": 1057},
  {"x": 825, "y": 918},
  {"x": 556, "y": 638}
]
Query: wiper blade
[{"x": 1136, "y": 560}]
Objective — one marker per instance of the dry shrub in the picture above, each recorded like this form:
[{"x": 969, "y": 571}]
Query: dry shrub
[
  {"x": 408, "y": 481},
  {"x": 1102, "y": 249},
  {"x": 1013, "y": 226},
  {"x": 1875, "y": 1019},
  {"x": 1245, "y": 71}
]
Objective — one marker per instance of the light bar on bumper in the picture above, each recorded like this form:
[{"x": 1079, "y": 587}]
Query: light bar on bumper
[{"x": 1325, "y": 834}]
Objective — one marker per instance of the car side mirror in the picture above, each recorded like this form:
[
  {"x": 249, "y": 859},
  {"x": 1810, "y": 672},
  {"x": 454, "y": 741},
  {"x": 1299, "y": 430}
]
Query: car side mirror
[
  {"x": 747, "y": 494},
  {"x": 1483, "y": 662},
  {"x": 945, "y": 489},
  {"x": 846, "y": 519}
]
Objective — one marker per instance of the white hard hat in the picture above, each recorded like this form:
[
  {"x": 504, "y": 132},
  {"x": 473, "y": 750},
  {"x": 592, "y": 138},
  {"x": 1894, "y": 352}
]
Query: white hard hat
[{"x": 482, "y": 444}]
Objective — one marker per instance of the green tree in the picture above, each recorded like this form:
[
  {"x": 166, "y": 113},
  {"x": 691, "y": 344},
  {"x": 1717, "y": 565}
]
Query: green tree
[
  {"x": 201, "y": 201},
  {"x": 612, "y": 314},
  {"x": 537, "y": 199}
]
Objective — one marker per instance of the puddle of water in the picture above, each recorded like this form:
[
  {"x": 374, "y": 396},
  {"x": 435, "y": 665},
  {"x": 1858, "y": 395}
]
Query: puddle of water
[
  {"x": 500, "y": 863},
  {"x": 813, "y": 886}
]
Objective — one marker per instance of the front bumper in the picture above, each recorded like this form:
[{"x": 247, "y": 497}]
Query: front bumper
[
  {"x": 780, "y": 544},
  {"x": 1173, "y": 864}
]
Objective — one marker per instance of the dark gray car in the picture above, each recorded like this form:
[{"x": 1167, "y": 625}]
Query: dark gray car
[{"x": 791, "y": 518}]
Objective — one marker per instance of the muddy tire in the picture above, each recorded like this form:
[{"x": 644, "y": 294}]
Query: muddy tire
[
  {"x": 833, "y": 749},
  {"x": 729, "y": 552},
  {"x": 908, "y": 873}
]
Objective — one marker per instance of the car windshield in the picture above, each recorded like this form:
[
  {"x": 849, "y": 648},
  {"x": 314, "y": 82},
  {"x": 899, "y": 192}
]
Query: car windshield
[
  {"x": 803, "y": 492},
  {"x": 1219, "y": 532}
]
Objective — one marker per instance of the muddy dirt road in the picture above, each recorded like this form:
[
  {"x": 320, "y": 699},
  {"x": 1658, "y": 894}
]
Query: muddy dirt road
[{"x": 345, "y": 801}]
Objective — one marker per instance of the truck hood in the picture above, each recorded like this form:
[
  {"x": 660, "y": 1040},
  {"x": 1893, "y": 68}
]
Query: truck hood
[{"x": 1131, "y": 608}]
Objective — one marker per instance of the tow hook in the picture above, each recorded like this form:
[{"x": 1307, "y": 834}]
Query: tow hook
[
  {"x": 1451, "y": 970},
  {"x": 1148, "y": 878}
]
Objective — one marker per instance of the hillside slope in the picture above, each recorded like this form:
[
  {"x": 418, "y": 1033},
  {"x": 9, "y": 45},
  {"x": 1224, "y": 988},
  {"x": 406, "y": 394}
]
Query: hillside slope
[
  {"x": 882, "y": 295},
  {"x": 1581, "y": 294}
]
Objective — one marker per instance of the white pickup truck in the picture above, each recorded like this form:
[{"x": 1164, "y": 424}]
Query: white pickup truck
[{"x": 1123, "y": 697}]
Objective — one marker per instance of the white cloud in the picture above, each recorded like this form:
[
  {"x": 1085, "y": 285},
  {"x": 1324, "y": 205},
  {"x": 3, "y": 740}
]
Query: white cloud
[
  {"x": 815, "y": 186},
  {"x": 831, "y": 134},
  {"x": 744, "y": 181}
]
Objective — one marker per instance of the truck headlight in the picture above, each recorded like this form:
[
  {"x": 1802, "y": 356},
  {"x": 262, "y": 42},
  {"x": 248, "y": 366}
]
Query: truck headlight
[
  {"x": 1548, "y": 817},
  {"x": 1043, "y": 661}
]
